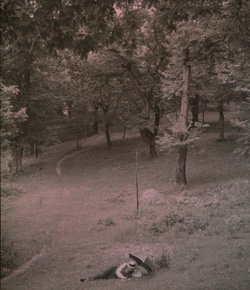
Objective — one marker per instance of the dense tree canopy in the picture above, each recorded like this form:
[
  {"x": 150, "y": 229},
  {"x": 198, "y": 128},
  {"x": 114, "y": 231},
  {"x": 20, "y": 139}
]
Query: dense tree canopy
[{"x": 122, "y": 63}]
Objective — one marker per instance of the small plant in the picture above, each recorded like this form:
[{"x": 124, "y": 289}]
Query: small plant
[
  {"x": 191, "y": 225},
  {"x": 157, "y": 228},
  {"x": 163, "y": 261},
  {"x": 107, "y": 222},
  {"x": 238, "y": 223},
  {"x": 172, "y": 219}
]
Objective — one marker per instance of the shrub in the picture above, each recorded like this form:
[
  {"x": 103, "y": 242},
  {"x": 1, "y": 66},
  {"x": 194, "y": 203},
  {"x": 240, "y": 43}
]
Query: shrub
[
  {"x": 186, "y": 224},
  {"x": 107, "y": 222},
  {"x": 163, "y": 261},
  {"x": 9, "y": 256}
]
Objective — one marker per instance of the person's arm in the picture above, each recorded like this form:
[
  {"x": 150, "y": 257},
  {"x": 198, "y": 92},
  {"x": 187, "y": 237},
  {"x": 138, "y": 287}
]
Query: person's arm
[{"x": 137, "y": 274}]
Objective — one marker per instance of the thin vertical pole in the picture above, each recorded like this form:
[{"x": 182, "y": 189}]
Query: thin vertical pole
[{"x": 136, "y": 184}]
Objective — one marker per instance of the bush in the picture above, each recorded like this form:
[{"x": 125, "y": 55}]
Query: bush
[
  {"x": 186, "y": 224},
  {"x": 9, "y": 256},
  {"x": 163, "y": 261}
]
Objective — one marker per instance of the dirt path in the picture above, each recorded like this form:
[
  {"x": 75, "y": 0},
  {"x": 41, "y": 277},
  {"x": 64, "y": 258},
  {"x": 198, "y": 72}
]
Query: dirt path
[{"x": 94, "y": 140}]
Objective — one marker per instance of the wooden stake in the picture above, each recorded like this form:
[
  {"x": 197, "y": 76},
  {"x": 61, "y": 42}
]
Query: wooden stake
[{"x": 136, "y": 184}]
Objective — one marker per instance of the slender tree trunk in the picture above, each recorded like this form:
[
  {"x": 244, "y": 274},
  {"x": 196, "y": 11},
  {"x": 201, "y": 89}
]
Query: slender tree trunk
[
  {"x": 180, "y": 174},
  {"x": 107, "y": 135},
  {"x": 149, "y": 140},
  {"x": 95, "y": 124},
  {"x": 77, "y": 140},
  {"x": 177, "y": 115},
  {"x": 36, "y": 150},
  {"x": 124, "y": 132},
  {"x": 194, "y": 104},
  {"x": 17, "y": 155},
  {"x": 222, "y": 123},
  {"x": 204, "y": 108},
  {"x": 85, "y": 130},
  {"x": 157, "y": 120},
  {"x": 69, "y": 107}
]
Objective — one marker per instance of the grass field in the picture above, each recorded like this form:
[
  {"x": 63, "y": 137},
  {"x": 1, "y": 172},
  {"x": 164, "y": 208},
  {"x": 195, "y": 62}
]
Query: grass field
[{"x": 74, "y": 215}]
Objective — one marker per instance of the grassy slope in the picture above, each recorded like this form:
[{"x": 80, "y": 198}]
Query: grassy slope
[{"x": 87, "y": 223}]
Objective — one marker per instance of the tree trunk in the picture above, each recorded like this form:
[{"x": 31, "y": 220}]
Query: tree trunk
[
  {"x": 222, "y": 124},
  {"x": 69, "y": 108},
  {"x": 36, "y": 150},
  {"x": 157, "y": 120},
  {"x": 85, "y": 130},
  {"x": 17, "y": 155},
  {"x": 107, "y": 135},
  {"x": 204, "y": 108},
  {"x": 124, "y": 132},
  {"x": 149, "y": 140},
  {"x": 95, "y": 125},
  {"x": 78, "y": 140},
  {"x": 194, "y": 104},
  {"x": 59, "y": 111},
  {"x": 180, "y": 174}
]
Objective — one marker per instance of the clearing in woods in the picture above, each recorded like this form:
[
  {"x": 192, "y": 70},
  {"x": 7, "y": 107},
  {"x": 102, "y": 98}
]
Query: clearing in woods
[{"x": 75, "y": 215}]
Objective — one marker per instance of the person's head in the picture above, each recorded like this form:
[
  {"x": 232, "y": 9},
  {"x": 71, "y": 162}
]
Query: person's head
[{"x": 132, "y": 265}]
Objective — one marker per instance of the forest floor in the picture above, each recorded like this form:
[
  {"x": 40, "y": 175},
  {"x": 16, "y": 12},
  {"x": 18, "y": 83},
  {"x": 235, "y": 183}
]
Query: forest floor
[{"x": 74, "y": 214}]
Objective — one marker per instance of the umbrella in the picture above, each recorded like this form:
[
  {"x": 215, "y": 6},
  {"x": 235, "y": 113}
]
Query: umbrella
[{"x": 143, "y": 260}]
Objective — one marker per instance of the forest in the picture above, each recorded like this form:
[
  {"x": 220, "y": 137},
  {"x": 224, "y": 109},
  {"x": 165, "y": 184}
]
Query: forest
[{"x": 165, "y": 71}]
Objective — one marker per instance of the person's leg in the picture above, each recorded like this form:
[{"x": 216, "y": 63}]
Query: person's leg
[{"x": 108, "y": 273}]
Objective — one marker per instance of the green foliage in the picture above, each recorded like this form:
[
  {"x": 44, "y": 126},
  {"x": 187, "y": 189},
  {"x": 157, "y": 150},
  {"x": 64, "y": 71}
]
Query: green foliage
[
  {"x": 10, "y": 119},
  {"x": 10, "y": 126},
  {"x": 244, "y": 124},
  {"x": 177, "y": 137}
]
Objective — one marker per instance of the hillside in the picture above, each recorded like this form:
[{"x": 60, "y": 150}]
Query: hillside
[{"x": 74, "y": 215}]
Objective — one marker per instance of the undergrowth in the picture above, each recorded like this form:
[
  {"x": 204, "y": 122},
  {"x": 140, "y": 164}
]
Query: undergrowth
[
  {"x": 187, "y": 224},
  {"x": 9, "y": 256}
]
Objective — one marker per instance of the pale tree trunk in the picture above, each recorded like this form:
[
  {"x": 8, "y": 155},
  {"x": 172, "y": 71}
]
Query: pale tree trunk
[
  {"x": 222, "y": 123},
  {"x": 180, "y": 174}
]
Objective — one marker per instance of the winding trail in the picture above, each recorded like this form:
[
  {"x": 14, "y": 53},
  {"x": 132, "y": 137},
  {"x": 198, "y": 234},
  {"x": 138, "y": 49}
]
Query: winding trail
[{"x": 93, "y": 140}]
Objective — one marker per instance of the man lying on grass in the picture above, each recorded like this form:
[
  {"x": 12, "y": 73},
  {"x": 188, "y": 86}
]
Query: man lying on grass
[{"x": 125, "y": 271}]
